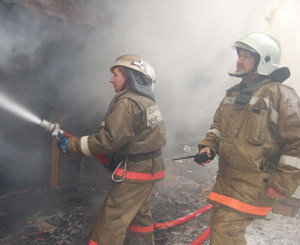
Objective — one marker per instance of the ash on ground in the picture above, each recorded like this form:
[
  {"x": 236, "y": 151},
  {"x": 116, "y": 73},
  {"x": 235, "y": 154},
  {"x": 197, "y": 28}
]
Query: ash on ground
[{"x": 63, "y": 217}]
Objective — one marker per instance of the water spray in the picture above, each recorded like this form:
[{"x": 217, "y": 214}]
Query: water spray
[
  {"x": 53, "y": 128},
  {"x": 17, "y": 109},
  {"x": 7, "y": 104}
]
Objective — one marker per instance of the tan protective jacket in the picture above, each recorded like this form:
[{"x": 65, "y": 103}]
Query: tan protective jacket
[
  {"x": 133, "y": 125},
  {"x": 258, "y": 146}
]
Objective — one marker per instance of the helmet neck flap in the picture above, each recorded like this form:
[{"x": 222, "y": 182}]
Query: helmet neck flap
[{"x": 140, "y": 83}]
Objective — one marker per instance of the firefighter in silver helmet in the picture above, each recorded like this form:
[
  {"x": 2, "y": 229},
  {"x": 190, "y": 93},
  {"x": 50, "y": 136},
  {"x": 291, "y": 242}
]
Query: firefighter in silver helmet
[
  {"x": 133, "y": 134},
  {"x": 256, "y": 134}
]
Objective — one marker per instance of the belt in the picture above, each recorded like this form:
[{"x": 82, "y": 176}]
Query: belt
[{"x": 140, "y": 156}]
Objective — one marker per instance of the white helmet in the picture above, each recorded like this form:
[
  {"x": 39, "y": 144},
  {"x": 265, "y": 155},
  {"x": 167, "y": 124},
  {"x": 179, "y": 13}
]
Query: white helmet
[
  {"x": 267, "y": 47},
  {"x": 135, "y": 62}
]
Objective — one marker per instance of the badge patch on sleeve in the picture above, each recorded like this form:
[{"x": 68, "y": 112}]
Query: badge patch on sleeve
[{"x": 153, "y": 115}]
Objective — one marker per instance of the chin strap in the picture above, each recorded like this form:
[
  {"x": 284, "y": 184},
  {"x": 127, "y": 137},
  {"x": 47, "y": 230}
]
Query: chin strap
[{"x": 241, "y": 74}]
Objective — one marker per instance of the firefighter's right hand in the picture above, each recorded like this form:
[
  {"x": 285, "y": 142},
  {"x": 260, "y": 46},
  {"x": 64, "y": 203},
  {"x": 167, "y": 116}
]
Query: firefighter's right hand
[{"x": 62, "y": 143}]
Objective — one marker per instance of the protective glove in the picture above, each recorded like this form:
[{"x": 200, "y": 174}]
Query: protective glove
[{"x": 62, "y": 143}]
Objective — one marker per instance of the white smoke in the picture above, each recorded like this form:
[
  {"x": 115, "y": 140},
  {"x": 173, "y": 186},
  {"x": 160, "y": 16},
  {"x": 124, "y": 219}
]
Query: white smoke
[
  {"x": 189, "y": 45},
  {"x": 282, "y": 17}
]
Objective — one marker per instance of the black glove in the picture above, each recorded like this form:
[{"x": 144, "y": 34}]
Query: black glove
[{"x": 202, "y": 157}]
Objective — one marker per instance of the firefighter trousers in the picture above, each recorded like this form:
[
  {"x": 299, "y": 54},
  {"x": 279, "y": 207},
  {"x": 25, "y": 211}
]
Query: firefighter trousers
[
  {"x": 125, "y": 216},
  {"x": 228, "y": 226}
]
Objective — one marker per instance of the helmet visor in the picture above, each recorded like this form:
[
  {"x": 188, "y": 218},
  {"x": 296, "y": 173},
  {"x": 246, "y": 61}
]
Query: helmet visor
[{"x": 240, "y": 45}]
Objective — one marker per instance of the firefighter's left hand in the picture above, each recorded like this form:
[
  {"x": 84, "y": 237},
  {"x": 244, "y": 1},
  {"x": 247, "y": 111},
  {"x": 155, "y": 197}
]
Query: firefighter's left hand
[
  {"x": 62, "y": 143},
  {"x": 274, "y": 194},
  {"x": 210, "y": 154}
]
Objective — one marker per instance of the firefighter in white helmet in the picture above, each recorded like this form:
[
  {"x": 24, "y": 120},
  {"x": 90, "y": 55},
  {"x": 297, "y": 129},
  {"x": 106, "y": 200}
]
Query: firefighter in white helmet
[
  {"x": 133, "y": 134},
  {"x": 256, "y": 134}
]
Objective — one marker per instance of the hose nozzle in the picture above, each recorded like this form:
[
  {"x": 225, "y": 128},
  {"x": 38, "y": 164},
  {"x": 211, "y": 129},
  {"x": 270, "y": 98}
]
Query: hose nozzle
[
  {"x": 47, "y": 126},
  {"x": 50, "y": 127}
]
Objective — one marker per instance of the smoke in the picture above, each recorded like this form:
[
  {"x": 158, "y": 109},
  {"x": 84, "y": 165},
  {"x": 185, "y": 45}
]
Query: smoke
[
  {"x": 281, "y": 20},
  {"x": 189, "y": 45},
  {"x": 46, "y": 62},
  {"x": 37, "y": 53}
]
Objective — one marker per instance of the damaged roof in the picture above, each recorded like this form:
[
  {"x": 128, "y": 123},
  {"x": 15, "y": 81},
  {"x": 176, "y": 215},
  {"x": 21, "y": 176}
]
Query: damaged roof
[{"x": 84, "y": 12}]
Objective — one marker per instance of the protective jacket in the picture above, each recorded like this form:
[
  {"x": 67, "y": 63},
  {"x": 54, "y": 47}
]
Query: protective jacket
[
  {"x": 258, "y": 144},
  {"x": 134, "y": 131}
]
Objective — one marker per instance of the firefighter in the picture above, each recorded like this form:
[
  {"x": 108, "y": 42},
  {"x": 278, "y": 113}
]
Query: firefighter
[
  {"x": 133, "y": 134},
  {"x": 256, "y": 134}
]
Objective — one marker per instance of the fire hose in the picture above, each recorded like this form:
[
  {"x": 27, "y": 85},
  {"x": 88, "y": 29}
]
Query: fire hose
[
  {"x": 200, "y": 239},
  {"x": 54, "y": 129},
  {"x": 182, "y": 220}
]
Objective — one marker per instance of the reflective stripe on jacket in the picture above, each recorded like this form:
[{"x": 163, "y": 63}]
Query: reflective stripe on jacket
[{"x": 238, "y": 205}]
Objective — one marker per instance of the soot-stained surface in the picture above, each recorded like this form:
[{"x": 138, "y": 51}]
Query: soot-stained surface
[{"x": 65, "y": 216}]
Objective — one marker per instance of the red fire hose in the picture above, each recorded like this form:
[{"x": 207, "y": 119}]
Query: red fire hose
[
  {"x": 182, "y": 220},
  {"x": 104, "y": 159},
  {"x": 200, "y": 239},
  {"x": 67, "y": 134}
]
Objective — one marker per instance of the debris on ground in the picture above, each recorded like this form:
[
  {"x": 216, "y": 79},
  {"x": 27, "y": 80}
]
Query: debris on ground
[{"x": 63, "y": 217}]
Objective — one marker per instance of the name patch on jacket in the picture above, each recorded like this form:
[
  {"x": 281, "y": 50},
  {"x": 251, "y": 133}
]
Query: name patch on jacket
[{"x": 153, "y": 115}]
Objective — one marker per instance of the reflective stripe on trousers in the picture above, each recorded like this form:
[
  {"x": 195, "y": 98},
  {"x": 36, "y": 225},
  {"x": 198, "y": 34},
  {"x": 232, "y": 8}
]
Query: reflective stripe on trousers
[
  {"x": 141, "y": 229},
  {"x": 238, "y": 205},
  {"x": 92, "y": 242}
]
